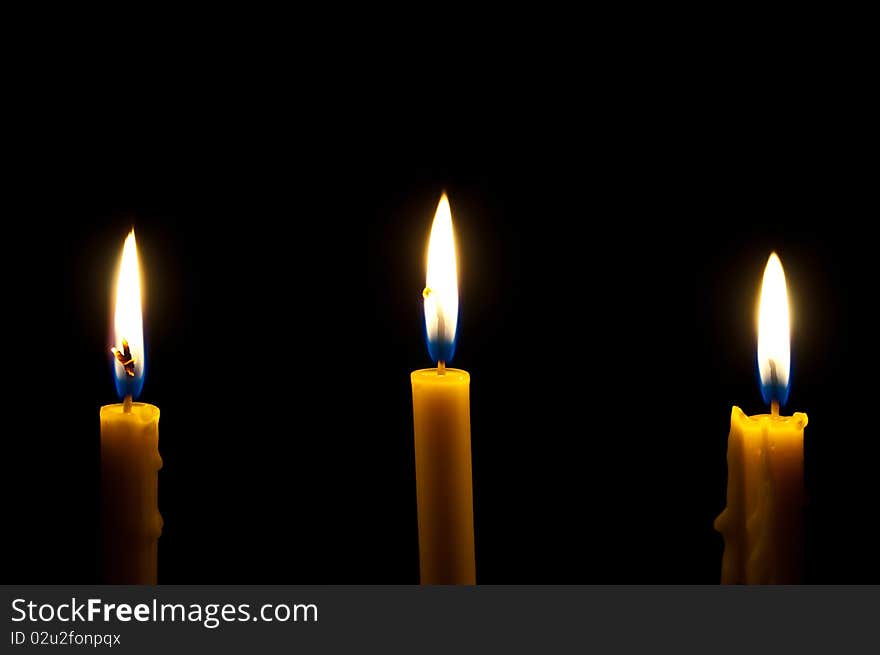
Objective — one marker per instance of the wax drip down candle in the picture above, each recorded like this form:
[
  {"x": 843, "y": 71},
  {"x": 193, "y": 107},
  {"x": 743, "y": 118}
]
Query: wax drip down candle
[
  {"x": 762, "y": 524},
  {"x": 442, "y": 425},
  {"x": 130, "y": 461}
]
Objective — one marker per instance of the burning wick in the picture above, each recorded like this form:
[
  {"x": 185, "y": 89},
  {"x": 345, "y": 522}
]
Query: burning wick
[
  {"x": 441, "y": 325},
  {"x": 774, "y": 381},
  {"x": 127, "y": 362},
  {"x": 124, "y": 357}
]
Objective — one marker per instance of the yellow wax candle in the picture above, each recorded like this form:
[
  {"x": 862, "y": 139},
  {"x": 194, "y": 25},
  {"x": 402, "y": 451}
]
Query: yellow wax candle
[
  {"x": 130, "y": 461},
  {"x": 762, "y": 524},
  {"x": 441, "y": 418},
  {"x": 130, "y": 464},
  {"x": 442, "y": 426}
]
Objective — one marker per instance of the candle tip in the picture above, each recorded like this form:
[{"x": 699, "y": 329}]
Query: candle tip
[
  {"x": 126, "y": 404},
  {"x": 441, "y": 367}
]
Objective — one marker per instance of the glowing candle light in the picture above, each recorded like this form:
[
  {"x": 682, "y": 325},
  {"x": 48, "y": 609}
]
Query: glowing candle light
[
  {"x": 762, "y": 524},
  {"x": 442, "y": 425},
  {"x": 130, "y": 461}
]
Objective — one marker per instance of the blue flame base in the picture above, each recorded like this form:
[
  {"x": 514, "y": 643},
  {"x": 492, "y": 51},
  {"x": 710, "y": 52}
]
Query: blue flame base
[
  {"x": 127, "y": 385},
  {"x": 441, "y": 351},
  {"x": 774, "y": 392}
]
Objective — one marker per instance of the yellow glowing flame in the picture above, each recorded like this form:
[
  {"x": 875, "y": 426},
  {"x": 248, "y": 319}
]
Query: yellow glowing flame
[
  {"x": 773, "y": 326},
  {"x": 128, "y": 322},
  {"x": 441, "y": 285}
]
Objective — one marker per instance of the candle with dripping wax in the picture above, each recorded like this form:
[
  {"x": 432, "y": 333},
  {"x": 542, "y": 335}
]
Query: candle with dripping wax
[{"x": 762, "y": 524}]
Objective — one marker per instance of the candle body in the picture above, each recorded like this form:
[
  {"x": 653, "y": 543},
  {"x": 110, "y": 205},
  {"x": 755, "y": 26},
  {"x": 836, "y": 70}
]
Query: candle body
[
  {"x": 762, "y": 524},
  {"x": 130, "y": 463},
  {"x": 444, "y": 483}
]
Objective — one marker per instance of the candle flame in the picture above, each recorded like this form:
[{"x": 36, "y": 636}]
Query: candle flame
[
  {"x": 441, "y": 286},
  {"x": 128, "y": 325},
  {"x": 774, "y": 355}
]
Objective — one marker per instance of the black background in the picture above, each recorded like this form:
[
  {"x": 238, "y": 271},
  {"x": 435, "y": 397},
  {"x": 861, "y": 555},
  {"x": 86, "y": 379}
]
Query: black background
[{"x": 611, "y": 250}]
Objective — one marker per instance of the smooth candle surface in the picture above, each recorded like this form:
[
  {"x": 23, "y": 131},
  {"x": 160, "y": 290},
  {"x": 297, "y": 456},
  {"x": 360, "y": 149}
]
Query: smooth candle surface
[
  {"x": 130, "y": 463},
  {"x": 444, "y": 482},
  {"x": 762, "y": 524}
]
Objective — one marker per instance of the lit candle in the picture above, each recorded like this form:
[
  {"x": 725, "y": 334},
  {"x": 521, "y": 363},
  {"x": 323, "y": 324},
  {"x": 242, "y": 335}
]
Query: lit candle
[
  {"x": 762, "y": 524},
  {"x": 442, "y": 425},
  {"x": 130, "y": 461}
]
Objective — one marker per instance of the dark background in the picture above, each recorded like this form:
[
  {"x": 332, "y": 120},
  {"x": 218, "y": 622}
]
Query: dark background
[{"x": 611, "y": 252}]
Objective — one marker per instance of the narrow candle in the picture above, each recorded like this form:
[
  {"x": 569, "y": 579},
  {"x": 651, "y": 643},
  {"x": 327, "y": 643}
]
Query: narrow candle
[
  {"x": 762, "y": 524},
  {"x": 442, "y": 425},
  {"x": 130, "y": 461}
]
